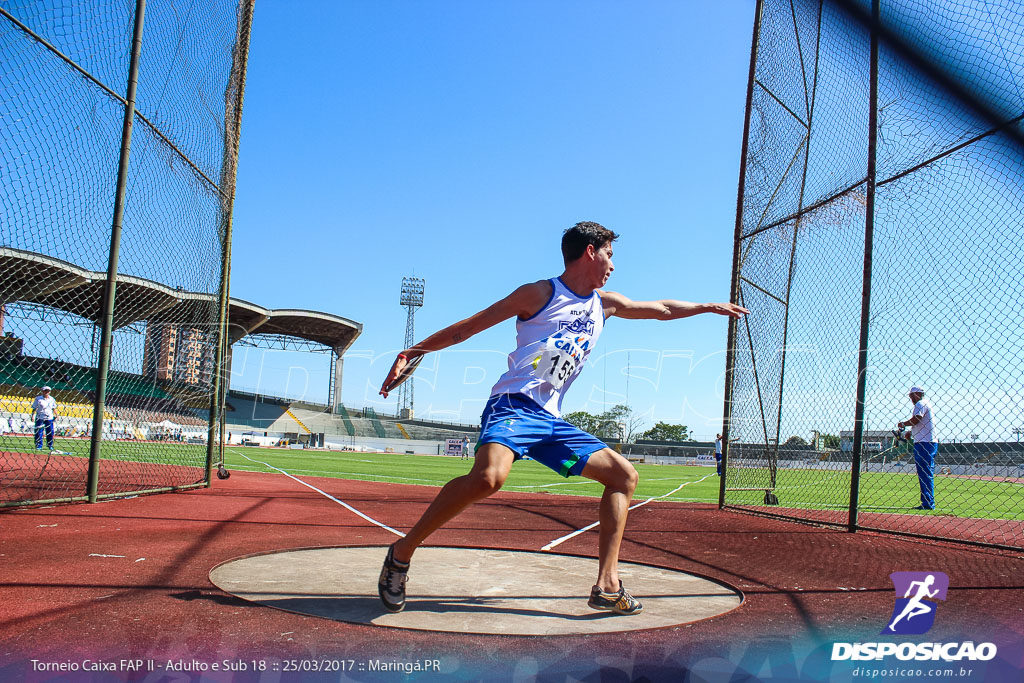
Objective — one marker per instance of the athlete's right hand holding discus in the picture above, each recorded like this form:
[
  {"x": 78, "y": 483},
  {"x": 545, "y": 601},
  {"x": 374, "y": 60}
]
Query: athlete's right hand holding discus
[
  {"x": 405, "y": 364},
  {"x": 523, "y": 303}
]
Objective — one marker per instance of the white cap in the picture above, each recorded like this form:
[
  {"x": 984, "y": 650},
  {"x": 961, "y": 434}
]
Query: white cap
[
  {"x": 47, "y": 389},
  {"x": 916, "y": 390}
]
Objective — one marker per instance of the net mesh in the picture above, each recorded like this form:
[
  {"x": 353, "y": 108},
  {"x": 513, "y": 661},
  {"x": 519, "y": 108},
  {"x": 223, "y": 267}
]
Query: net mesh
[
  {"x": 65, "y": 69},
  {"x": 945, "y": 274}
]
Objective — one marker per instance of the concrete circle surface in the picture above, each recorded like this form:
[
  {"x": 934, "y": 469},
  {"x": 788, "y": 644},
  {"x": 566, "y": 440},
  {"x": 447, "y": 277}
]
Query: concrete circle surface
[{"x": 464, "y": 590}]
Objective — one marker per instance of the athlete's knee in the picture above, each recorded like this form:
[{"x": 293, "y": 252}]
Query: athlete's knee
[
  {"x": 623, "y": 471},
  {"x": 613, "y": 470},
  {"x": 630, "y": 477},
  {"x": 487, "y": 481}
]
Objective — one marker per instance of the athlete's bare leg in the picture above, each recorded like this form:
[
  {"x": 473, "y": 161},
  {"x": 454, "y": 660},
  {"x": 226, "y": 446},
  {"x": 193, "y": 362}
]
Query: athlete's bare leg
[
  {"x": 620, "y": 479},
  {"x": 490, "y": 469}
]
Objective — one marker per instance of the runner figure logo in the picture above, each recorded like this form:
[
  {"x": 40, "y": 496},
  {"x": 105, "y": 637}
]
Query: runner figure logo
[{"x": 914, "y": 612}]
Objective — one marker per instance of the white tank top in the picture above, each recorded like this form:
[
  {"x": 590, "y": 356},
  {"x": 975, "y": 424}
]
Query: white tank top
[{"x": 552, "y": 346}]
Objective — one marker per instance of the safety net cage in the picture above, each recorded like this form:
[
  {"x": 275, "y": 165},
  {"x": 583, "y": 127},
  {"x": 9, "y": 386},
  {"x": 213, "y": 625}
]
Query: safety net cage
[
  {"x": 117, "y": 161},
  {"x": 880, "y": 211}
]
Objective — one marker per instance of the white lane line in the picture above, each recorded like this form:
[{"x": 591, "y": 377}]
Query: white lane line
[
  {"x": 323, "y": 493},
  {"x": 559, "y": 541},
  {"x": 337, "y": 474}
]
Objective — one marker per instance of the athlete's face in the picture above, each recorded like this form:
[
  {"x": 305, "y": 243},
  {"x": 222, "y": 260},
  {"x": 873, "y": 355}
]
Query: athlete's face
[{"x": 603, "y": 266}]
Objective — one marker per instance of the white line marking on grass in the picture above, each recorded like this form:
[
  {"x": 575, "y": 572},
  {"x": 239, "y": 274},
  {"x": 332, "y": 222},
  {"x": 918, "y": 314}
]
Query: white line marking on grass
[
  {"x": 325, "y": 494},
  {"x": 362, "y": 476},
  {"x": 559, "y": 541}
]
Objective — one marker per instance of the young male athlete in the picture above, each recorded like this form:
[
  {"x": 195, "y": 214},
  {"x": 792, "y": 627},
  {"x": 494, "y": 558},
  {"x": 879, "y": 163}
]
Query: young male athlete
[{"x": 558, "y": 322}]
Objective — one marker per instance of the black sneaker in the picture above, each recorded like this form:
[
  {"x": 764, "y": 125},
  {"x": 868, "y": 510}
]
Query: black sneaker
[
  {"x": 391, "y": 585},
  {"x": 620, "y": 603}
]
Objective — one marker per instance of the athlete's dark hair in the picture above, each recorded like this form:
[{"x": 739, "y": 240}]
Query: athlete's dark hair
[{"x": 576, "y": 239}]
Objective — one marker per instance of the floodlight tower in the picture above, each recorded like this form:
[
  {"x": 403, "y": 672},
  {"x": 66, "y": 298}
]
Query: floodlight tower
[{"x": 412, "y": 298}]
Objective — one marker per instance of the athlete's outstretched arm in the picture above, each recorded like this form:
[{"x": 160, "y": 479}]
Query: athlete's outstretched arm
[
  {"x": 524, "y": 302},
  {"x": 665, "y": 309}
]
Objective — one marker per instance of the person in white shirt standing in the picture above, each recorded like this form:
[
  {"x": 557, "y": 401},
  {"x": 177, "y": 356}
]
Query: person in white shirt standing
[
  {"x": 925, "y": 446},
  {"x": 718, "y": 453},
  {"x": 43, "y": 409}
]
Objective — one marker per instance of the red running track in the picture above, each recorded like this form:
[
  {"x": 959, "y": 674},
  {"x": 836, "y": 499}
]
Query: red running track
[{"x": 129, "y": 579}]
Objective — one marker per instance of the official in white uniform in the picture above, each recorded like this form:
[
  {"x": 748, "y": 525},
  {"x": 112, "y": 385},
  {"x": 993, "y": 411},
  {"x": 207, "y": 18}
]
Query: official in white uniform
[
  {"x": 44, "y": 408},
  {"x": 925, "y": 446}
]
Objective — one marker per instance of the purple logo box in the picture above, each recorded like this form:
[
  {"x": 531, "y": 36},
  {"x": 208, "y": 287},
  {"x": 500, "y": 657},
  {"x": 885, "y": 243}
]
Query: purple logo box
[{"x": 916, "y": 593}]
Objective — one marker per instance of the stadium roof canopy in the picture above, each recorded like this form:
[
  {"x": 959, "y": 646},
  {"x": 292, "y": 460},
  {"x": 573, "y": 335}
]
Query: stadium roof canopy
[{"x": 34, "y": 278}]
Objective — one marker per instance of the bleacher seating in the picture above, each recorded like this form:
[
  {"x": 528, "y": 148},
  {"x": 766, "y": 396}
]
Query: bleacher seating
[
  {"x": 143, "y": 415},
  {"x": 272, "y": 416},
  {"x": 20, "y": 404},
  {"x": 33, "y": 373},
  {"x": 350, "y": 428},
  {"x": 421, "y": 432},
  {"x": 254, "y": 411},
  {"x": 133, "y": 385},
  {"x": 378, "y": 426},
  {"x": 129, "y": 397}
]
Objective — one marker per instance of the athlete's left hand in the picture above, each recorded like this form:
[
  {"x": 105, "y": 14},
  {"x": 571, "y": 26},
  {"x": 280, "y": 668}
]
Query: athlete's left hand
[{"x": 731, "y": 310}]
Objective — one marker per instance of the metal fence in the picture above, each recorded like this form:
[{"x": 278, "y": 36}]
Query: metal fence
[
  {"x": 880, "y": 211},
  {"x": 119, "y": 128}
]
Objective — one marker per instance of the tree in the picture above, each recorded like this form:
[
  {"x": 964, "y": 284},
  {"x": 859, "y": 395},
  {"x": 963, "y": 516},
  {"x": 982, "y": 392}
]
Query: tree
[
  {"x": 795, "y": 441},
  {"x": 617, "y": 422},
  {"x": 830, "y": 441},
  {"x": 664, "y": 431},
  {"x": 584, "y": 420}
]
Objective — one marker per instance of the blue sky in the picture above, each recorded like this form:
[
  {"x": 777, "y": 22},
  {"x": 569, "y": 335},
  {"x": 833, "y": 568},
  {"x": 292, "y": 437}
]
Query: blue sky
[{"x": 454, "y": 141}]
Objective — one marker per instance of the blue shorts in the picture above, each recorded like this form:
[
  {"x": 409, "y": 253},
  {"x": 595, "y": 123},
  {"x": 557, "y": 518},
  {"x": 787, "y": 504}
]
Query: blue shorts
[{"x": 520, "y": 424}]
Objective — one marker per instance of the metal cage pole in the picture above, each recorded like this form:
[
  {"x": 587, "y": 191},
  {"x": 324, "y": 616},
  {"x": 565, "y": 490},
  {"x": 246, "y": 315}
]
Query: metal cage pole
[
  {"x": 810, "y": 100},
  {"x": 865, "y": 310},
  {"x": 110, "y": 289},
  {"x": 330, "y": 384},
  {"x": 734, "y": 288},
  {"x": 234, "y": 97},
  {"x": 222, "y": 397}
]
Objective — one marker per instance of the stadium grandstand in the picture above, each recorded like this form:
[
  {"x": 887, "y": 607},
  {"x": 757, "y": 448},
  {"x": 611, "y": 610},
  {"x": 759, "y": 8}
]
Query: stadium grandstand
[
  {"x": 169, "y": 398},
  {"x": 254, "y": 419}
]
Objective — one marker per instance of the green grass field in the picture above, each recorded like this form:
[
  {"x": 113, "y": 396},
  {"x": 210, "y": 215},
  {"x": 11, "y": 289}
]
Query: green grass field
[
  {"x": 428, "y": 470},
  {"x": 193, "y": 455},
  {"x": 796, "y": 488},
  {"x": 803, "y": 488},
  {"x": 959, "y": 496}
]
